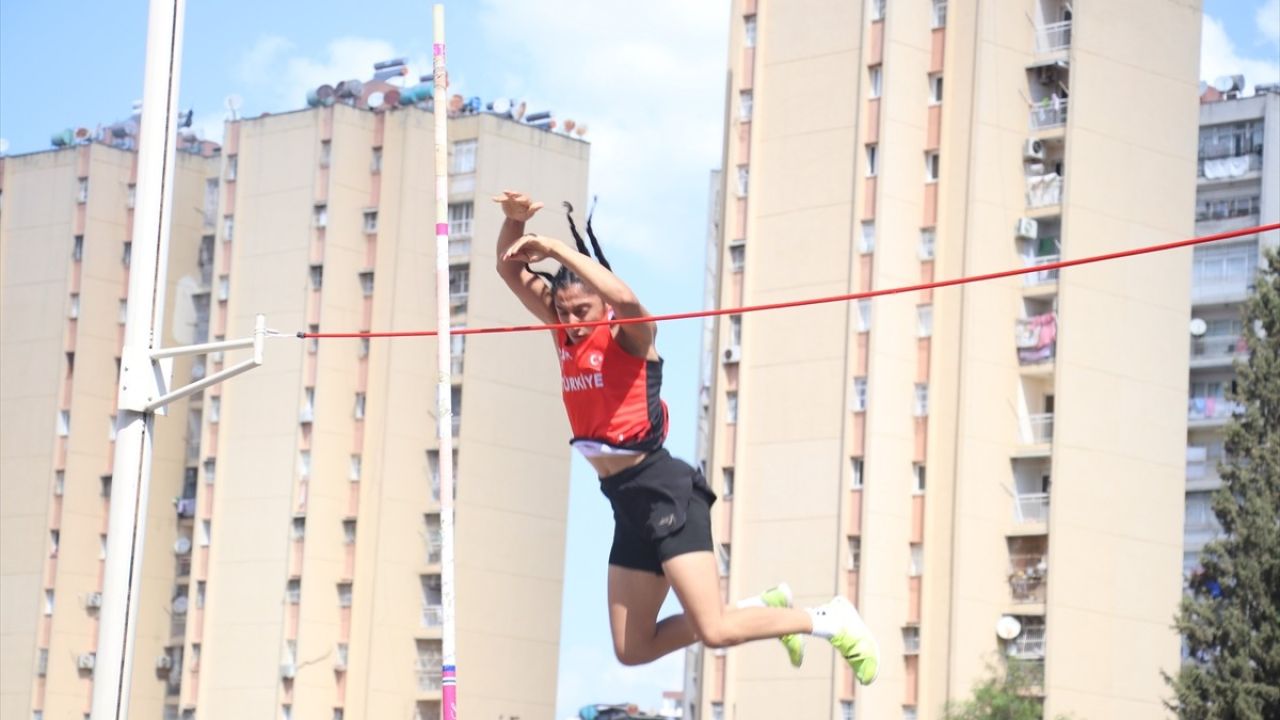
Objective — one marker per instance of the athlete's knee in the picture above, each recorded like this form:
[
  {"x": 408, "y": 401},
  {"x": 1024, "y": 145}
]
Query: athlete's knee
[
  {"x": 716, "y": 635},
  {"x": 630, "y": 655}
]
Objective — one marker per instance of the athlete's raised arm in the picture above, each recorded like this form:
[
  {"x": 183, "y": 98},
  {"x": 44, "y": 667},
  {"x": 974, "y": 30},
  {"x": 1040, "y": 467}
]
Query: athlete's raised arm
[{"x": 533, "y": 291}]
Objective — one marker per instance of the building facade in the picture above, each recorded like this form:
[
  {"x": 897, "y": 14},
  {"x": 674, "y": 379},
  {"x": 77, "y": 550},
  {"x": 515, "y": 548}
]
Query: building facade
[
  {"x": 293, "y": 553},
  {"x": 991, "y": 471}
]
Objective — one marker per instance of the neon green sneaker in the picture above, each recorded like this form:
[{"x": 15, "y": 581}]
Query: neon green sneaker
[
  {"x": 854, "y": 640},
  {"x": 780, "y": 597}
]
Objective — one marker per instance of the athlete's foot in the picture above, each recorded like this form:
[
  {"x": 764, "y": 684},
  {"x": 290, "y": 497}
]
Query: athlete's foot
[
  {"x": 780, "y": 597},
  {"x": 852, "y": 638}
]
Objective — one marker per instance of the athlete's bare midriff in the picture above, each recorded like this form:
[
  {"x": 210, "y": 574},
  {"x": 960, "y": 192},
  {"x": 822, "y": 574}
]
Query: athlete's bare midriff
[{"x": 606, "y": 466}]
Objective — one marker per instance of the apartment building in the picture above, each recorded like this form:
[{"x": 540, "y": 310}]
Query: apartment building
[{"x": 990, "y": 472}]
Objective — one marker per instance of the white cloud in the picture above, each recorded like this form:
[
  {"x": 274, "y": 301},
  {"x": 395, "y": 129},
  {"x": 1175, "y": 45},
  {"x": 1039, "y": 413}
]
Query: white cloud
[
  {"x": 1268, "y": 19},
  {"x": 1219, "y": 56},
  {"x": 590, "y": 675},
  {"x": 650, "y": 86},
  {"x": 282, "y": 76}
]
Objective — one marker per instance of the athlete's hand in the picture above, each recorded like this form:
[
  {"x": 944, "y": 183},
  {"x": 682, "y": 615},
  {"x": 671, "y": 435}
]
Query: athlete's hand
[
  {"x": 517, "y": 206},
  {"x": 531, "y": 249}
]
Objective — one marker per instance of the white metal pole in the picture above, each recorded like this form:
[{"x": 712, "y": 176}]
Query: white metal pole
[
  {"x": 131, "y": 475},
  {"x": 444, "y": 385}
]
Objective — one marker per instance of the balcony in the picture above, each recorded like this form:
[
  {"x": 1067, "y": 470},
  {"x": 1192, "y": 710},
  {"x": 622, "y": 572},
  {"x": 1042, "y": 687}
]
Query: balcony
[
  {"x": 1028, "y": 573},
  {"x": 1044, "y": 191},
  {"x": 1053, "y": 37},
  {"x": 1036, "y": 339},
  {"x": 1202, "y": 462},
  {"x": 432, "y": 616},
  {"x": 459, "y": 249},
  {"x": 1044, "y": 277},
  {"x": 1048, "y": 114},
  {"x": 1217, "y": 350},
  {"x": 1028, "y": 674},
  {"x": 1029, "y": 644},
  {"x": 1031, "y": 508},
  {"x": 1226, "y": 169},
  {"x": 429, "y": 673},
  {"x": 457, "y": 304},
  {"x": 1212, "y": 410},
  {"x": 434, "y": 542}
]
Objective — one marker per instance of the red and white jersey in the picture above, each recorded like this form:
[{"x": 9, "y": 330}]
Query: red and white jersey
[{"x": 612, "y": 397}]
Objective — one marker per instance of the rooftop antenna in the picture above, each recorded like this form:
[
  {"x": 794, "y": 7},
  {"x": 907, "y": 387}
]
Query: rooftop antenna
[{"x": 233, "y": 103}]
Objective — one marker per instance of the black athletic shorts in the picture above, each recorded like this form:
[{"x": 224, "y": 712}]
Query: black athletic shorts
[{"x": 661, "y": 509}]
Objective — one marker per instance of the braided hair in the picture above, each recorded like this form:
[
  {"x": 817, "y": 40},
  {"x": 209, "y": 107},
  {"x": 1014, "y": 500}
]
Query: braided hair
[{"x": 564, "y": 276}]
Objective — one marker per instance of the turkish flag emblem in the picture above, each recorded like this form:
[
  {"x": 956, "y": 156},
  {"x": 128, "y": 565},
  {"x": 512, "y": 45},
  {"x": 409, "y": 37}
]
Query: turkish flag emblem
[{"x": 595, "y": 359}]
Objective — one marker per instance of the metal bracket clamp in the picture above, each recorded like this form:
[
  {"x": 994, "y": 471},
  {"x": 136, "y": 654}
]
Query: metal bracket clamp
[{"x": 148, "y": 374}]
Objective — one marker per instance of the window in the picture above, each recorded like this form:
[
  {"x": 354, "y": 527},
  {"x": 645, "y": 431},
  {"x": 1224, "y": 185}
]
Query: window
[
  {"x": 858, "y": 403},
  {"x": 867, "y": 240},
  {"x": 924, "y": 321},
  {"x": 42, "y": 669},
  {"x": 737, "y": 256},
  {"x": 206, "y": 533},
  {"x": 304, "y": 463},
  {"x": 911, "y": 640},
  {"x": 344, "y": 595},
  {"x": 64, "y": 423},
  {"x": 200, "y": 588},
  {"x": 746, "y": 101},
  {"x": 320, "y": 215},
  {"x": 931, "y": 167},
  {"x": 728, "y": 483},
  {"x": 855, "y": 482},
  {"x": 326, "y": 153},
  {"x": 917, "y": 478},
  {"x": 126, "y": 258},
  {"x": 464, "y": 157},
  {"x": 77, "y": 248},
  {"x": 717, "y": 711},
  {"x": 363, "y": 347},
  {"x": 909, "y": 713},
  {"x": 461, "y": 216},
  {"x": 338, "y": 714},
  {"x": 371, "y": 221},
  {"x": 749, "y": 31},
  {"x": 210, "y": 471},
  {"x": 922, "y": 400},
  {"x": 356, "y": 463},
  {"x": 935, "y": 88},
  {"x": 457, "y": 351},
  {"x": 846, "y": 710},
  {"x": 74, "y": 311},
  {"x": 299, "y": 528},
  {"x": 744, "y": 180},
  {"x": 317, "y": 277},
  {"x": 874, "y": 75},
  {"x": 111, "y": 428},
  {"x": 342, "y": 654},
  {"x": 939, "y": 14},
  {"x": 313, "y": 344},
  {"x": 48, "y": 602},
  {"x": 855, "y": 554},
  {"x": 366, "y": 283},
  {"x": 359, "y": 409},
  {"x": 224, "y": 288},
  {"x": 215, "y": 408},
  {"x": 54, "y": 537},
  {"x": 864, "y": 315},
  {"x": 455, "y": 402},
  {"x": 724, "y": 556},
  {"x": 872, "y": 165},
  {"x": 105, "y": 482},
  {"x": 293, "y": 591},
  {"x": 233, "y": 166},
  {"x": 917, "y": 560},
  {"x": 731, "y": 407},
  {"x": 459, "y": 287},
  {"x": 228, "y": 228},
  {"x": 375, "y": 162},
  {"x": 82, "y": 190},
  {"x": 59, "y": 482},
  {"x": 348, "y": 531},
  {"x": 928, "y": 237},
  {"x": 735, "y": 330},
  {"x": 210, "y": 202}
]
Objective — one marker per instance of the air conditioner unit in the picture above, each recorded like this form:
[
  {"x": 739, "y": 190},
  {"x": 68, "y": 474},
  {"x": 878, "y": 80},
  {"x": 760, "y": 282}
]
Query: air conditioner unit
[
  {"x": 1033, "y": 150},
  {"x": 164, "y": 662},
  {"x": 86, "y": 661},
  {"x": 1027, "y": 228},
  {"x": 288, "y": 670},
  {"x": 732, "y": 354},
  {"x": 93, "y": 600}
]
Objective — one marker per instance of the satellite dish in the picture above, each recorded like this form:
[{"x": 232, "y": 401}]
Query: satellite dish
[
  {"x": 580, "y": 131},
  {"x": 375, "y": 99},
  {"x": 4, "y": 146},
  {"x": 501, "y": 106},
  {"x": 1008, "y": 627},
  {"x": 82, "y": 134},
  {"x": 391, "y": 98},
  {"x": 355, "y": 88},
  {"x": 569, "y": 125},
  {"x": 182, "y": 546},
  {"x": 180, "y": 605},
  {"x": 518, "y": 111},
  {"x": 455, "y": 103},
  {"x": 1224, "y": 84},
  {"x": 234, "y": 103},
  {"x": 1198, "y": 327}
]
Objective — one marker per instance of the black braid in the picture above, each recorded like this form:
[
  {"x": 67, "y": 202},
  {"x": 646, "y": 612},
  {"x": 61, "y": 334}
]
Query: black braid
[
  {"x": 568, "y": 211},
  {"x": 594, "y": 243}
]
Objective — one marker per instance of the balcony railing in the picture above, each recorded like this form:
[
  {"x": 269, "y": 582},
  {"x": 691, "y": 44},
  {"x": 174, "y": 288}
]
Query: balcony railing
[
  {"x": 455, "y": 365},
  {"x": 429, "y": 673},
  {"x": 1227, "y": 168},
  {"x": 458, "y": 303},
  {"x": 1031, "y": 507},
  {"x": 1044, "y": 190},
  {"x": 1049, "y": 113},
  {"x": 459, "y": 248},
  {"x": 1041, "y": 428},
  {"x": 432, "y": 616},
  {"x": 1217, "y": 347},
  {"x": 1030, "y": 644},
  {"x": 1053, "y": 37},
  {"x": 1028, "y": 673},
  {"x": 457, "y": 423},
  {"x": 1027, "y": 574},
  {"x": 1044, "y": 276},
  {"x": 1202, "y": 460},
  {"x": 1212, "y": 408},
  {"x": 434, "y": 542},
  {"x": 1220, "y": 286}
]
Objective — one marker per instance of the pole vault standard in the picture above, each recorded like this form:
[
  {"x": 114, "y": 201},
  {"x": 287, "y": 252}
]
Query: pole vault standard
[
  {"x": 444, "y": 380},
  {"x": 146, "y": 370}
]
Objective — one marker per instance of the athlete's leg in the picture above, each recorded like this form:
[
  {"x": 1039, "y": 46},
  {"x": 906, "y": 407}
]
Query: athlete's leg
[
  {"x": 635, "y": 597},
  {"x": 697, "y": 584}
]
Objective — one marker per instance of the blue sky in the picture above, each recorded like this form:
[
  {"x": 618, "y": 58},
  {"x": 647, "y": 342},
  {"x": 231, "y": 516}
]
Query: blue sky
[{"x": 650, "y": 88}]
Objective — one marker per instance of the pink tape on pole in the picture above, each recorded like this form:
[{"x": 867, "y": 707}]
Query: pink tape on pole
[
  {"x": 438, "y": 49},
  {"x": 442, "y": 228}
]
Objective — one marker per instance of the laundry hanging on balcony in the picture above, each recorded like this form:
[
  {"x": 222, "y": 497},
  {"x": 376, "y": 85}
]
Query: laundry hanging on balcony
[
  {"x": 1035, "y": 337},
  {"x": 1229, "y": 167},
  {"x": 1044, "y": 190}
]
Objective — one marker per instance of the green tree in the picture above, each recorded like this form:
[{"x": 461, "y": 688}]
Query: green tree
[
  {"x": 1230, "y": 616},
  {"x": 1007, "y": 693}
]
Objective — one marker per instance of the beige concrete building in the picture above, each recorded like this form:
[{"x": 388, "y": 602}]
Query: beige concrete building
[
  {"x": 293, "y": 552},
  {"x": 880, "y": 144}
]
